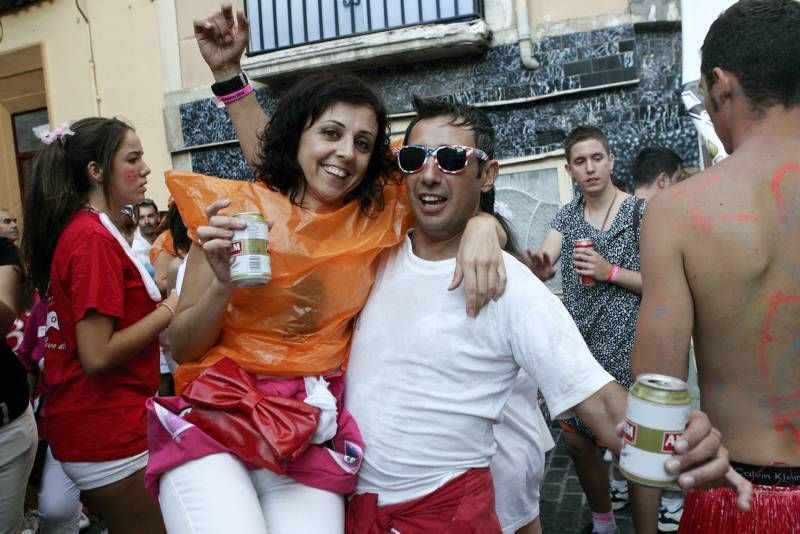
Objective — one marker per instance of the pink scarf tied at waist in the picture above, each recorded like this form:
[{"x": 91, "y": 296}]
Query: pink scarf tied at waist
[{"x": 264, "y": 423}]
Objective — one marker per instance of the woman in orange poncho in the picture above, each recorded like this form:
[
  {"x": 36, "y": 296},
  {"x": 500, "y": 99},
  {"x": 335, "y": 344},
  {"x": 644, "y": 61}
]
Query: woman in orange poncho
[{"x": 258, "y": 441}]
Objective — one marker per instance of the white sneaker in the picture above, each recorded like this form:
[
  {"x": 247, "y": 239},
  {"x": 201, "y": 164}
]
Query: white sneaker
[
  {"x": 668, "y": 520},
  {"x": 619, "y": 498}
]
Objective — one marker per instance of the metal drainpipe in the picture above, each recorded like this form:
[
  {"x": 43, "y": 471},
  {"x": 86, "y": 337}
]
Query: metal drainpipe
[
  {"x": 524, "y": 36},
  {"x": 92, "y": 65}
]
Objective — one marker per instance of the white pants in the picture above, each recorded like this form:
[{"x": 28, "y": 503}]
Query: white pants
[
  {"x": 17, "y": 452},
  {"x": 218, "y": 493},
  {"x": 59, "y": 499}
]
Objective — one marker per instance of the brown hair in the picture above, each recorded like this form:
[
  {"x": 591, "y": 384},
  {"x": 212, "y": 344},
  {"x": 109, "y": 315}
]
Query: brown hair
[{"x": 60, "y": 186}]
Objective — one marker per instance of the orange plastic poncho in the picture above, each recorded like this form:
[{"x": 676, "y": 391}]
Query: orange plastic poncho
[
  {"x": 323, "y": 267},
  {"x": 162, "y": 243}
]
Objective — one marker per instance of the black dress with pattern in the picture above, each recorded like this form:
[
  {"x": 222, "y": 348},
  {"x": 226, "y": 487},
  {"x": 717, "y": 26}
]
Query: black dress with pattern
[{"x": 605, "y": 313}]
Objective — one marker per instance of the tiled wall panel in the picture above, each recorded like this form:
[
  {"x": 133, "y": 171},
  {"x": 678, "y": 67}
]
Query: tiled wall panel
[{"x": 645, "y": 112}]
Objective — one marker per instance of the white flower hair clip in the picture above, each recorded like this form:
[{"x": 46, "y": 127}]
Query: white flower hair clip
[
  {"x": 58, "y": 134},
  {"x": 501, "y": 208}
]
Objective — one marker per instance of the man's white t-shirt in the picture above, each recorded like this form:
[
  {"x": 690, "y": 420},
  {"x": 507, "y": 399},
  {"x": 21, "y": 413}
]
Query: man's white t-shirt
[{"x": 425, "y": 382}]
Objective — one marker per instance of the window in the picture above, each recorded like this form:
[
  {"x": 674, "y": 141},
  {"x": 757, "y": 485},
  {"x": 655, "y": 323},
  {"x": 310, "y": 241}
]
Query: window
[
  {"x": 276, "y": 24},
  {"x": 533, "y": 192},
  {"x": 25, "y": 126}
]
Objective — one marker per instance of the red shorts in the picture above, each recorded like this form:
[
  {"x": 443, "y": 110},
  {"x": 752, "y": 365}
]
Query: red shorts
[{"x": 465, "y": 505}]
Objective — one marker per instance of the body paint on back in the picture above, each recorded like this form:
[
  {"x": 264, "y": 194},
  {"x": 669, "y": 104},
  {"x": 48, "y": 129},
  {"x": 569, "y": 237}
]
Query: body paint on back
[{"x": 775, "y": 185}]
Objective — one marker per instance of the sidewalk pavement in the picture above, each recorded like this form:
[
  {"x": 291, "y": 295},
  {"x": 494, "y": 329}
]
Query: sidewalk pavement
[{"x": 563, "y": 507}]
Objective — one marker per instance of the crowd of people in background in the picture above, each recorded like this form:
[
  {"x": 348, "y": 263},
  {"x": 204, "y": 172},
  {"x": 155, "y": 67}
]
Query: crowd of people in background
[{"x": 388, "y": 377}]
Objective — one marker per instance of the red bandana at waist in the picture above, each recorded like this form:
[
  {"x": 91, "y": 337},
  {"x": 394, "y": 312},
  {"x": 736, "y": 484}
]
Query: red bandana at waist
[{"x": 465, "y": 504}]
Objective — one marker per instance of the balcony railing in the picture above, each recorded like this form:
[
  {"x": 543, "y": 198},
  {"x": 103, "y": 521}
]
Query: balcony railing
[
  {"x": 8, "y": 5},
  {"x": 277, "y": 24}
]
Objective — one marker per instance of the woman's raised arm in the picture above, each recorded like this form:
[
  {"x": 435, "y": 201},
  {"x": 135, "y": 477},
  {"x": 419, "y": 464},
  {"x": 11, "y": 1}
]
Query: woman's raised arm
[{"x": 222, "y": 39}]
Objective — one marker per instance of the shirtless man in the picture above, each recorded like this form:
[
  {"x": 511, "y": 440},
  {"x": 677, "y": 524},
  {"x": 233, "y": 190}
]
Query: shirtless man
[{"x": 721, "y": 261}]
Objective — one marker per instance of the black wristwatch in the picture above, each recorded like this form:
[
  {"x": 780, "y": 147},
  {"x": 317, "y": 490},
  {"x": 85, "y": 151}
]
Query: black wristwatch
[{"x": 231, "y": 85}]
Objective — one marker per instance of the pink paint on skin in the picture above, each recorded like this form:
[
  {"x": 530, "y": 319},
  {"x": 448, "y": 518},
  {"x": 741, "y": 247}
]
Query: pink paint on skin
[
  {"x": 132, "y": 176},
  {"x": 699, "y": 186},
  {"x": 783, "y": 422},
  {"x": 791, "y": 396},
  {"x": 738, "y": 217},
  {"x": 775, "y": 185},
  {"x": 711, "y": 180},
  {"x": 699, "y": 221},
  {"x": 776, "y": 300}
]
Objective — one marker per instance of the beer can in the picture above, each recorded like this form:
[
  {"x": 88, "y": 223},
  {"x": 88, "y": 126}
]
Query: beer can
[
  {"x": 585, "y": 243},
  {"x": 249, "y": 259},
  {"x": 658, "y": 410}
]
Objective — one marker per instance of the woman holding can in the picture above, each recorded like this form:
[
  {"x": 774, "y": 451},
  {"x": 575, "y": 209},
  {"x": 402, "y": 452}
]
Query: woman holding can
[
  {"x": 324, "y": 158},
  {"x": 104, "y": 315}
]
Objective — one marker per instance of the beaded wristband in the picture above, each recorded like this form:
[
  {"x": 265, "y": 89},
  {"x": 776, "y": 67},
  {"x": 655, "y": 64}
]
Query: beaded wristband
[
  {"x": 236, "y": 96},
  {"x": 169, "y": 308},
  {"x": 614, "y": 271}
]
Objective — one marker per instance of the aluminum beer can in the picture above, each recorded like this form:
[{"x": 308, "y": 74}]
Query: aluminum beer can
[
  {"x": 249, "y": 259},
  {"x": 658, "y": 410},
  {"x": 585, "y": 243}
]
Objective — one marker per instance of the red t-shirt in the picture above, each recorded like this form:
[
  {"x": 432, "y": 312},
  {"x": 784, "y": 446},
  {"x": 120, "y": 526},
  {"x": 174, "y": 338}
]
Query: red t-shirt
[{"x": 99, "y": 418}]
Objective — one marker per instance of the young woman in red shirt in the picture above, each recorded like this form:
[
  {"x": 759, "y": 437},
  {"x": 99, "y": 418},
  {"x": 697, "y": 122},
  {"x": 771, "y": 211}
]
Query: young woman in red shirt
[{"x": 104, "y": 315}]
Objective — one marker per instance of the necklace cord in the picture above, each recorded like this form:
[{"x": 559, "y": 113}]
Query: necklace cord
[{"x": 608, "y": 211}]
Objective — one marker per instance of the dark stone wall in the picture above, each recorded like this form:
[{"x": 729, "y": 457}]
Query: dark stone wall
[{"x": 647, "y": 112}]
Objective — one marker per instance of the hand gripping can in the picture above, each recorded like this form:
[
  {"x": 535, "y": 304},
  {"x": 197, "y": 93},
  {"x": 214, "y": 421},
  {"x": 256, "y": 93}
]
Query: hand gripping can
[
  {"x": 585, "y": 243},
  {"x": 658, "y": 409},
  {"x": 249, "y": 259}
]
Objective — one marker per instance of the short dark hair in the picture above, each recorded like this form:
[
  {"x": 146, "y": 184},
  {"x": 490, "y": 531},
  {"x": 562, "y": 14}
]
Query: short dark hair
[
  {"x": 584, "y": 133},
  {"x": 652, "y": 161},
  {"x": 147, "y": 203},
  {"x": 757, "y": 40},
  {"x": 463, "y": 115},
  {"x": 300, "y": 107}
]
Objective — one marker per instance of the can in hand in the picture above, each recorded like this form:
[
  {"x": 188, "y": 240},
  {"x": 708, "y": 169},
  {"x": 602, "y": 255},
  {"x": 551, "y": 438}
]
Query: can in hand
[
  {"x": 585, "y": 243},
  {"x": 249, "y": 259},
  {"x": 658, "y": 410}
]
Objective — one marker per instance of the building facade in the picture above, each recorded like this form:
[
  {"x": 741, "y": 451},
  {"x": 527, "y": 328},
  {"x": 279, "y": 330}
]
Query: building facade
[
  {"x": 538, "y": 67},
  {"x": 615, "y": 64},
  {"x": 62, "y": 60}
]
